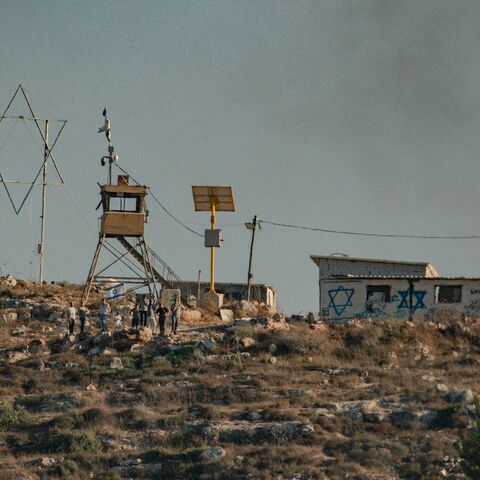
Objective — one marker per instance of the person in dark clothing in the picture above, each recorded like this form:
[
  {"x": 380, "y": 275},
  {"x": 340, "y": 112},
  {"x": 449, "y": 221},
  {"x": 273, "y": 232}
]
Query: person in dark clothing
[
  {"x": 82, "y": 314},
  {"x": 135, "y": 311},
  {"x": 162, "y": 314}
]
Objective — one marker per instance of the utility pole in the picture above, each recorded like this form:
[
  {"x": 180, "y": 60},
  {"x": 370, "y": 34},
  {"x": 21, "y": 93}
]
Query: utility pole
[
  {"x": 41, "y": 245},
  {"x": 212, "y": 251},
  {"x": 47, "y": 157},
  {"x": 253, "y": 227},
  {"x": 198, "y": 286}
]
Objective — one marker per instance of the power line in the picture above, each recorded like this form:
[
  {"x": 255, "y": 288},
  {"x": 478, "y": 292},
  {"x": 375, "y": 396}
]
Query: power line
[
  {"x": 171, "y": 215},
  {"x": 202, "y": 224},
  {"x": 365, "y": 234}
]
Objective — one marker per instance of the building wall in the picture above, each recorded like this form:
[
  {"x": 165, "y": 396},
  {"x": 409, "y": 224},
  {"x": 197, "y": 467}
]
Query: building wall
[
  {"x": 335, "y": 266},
  {"x": 344, "y": 299},
  {"x": 234, "y": 291}
]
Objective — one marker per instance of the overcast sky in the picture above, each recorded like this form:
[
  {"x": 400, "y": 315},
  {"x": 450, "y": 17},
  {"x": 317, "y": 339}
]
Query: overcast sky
[{"x": 352, "y": 115}]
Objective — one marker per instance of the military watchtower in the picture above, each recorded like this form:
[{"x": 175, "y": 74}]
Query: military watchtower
[{"x": 124, "y": 216}]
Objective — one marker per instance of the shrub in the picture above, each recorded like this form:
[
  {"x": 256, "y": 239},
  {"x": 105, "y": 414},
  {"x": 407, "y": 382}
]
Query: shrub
[
  {"x": 13, "y": 417},
  {"x": 470, "y": 447},
  {"x": 67, "y": 469},
  {"x": 71, "y": 442}
]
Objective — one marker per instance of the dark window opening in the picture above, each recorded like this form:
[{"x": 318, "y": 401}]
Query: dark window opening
[
  {"x": 124, "y": 204},
  {"x": 378, "y": 293},
  {"x": 448, "y": 294}
]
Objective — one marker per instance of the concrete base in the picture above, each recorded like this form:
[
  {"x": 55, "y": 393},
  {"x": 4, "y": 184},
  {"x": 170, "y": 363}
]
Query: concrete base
[{"x": 211, "y": 301}]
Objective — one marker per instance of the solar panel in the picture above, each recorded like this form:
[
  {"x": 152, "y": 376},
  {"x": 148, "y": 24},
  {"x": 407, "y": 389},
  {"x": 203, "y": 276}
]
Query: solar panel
[{"x": 205, "y": 197}]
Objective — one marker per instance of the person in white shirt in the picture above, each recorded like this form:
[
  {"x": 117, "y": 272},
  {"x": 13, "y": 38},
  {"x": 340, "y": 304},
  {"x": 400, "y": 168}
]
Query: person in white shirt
[
  {"x": 103, "y": 312},
  {"x": 117, "y": 321},
  {"x": 71, "y": 317}
]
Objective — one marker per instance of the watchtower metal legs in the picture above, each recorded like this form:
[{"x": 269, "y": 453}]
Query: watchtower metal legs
[{"x": 145, "y": 276}]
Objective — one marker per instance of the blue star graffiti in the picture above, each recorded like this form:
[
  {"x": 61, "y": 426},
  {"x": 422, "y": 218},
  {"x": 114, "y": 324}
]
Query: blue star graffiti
[
  {"x": 340, "y": 298},
  {"x": 418, "y": 297}
]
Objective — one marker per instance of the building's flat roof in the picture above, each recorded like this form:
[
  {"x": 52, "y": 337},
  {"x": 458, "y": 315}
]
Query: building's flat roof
[
  {"x": 317, "y": 258},
  {"x": 397, "y": 277}
]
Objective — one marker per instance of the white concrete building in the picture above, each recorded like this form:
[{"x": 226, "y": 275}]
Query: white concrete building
[{"x": 355, "y": 288}]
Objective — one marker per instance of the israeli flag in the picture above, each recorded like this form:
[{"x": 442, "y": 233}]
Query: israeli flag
[{"x": 115, "y": 291}]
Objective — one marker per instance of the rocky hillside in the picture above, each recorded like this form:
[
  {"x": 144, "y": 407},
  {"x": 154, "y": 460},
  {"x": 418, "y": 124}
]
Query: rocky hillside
[{"x": 253, "y": 399}]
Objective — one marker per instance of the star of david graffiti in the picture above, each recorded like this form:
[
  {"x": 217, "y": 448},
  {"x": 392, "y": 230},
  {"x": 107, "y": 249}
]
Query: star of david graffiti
[
  {"x": 340, "y": 299},
  {"x": 418, "y": 295}
]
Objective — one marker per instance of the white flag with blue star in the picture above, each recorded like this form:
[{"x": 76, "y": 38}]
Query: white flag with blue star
[{"x": 115, "y": 291}]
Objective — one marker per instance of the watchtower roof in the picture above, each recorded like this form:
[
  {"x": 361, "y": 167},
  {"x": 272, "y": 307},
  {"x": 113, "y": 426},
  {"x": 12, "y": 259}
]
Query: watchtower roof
[{"x": 129, "y": 189}]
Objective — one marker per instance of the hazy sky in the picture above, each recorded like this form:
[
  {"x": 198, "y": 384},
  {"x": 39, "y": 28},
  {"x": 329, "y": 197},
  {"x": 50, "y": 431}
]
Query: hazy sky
[{"x": 353, "y": 115}]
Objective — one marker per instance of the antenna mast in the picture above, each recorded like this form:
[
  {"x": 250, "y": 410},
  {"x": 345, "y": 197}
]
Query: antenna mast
[
  {"x": 41, "y": 250},
  {"x": 47, "y": 156}
]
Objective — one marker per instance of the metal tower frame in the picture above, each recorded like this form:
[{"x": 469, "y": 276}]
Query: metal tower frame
[{"x": 47, "y": 155}]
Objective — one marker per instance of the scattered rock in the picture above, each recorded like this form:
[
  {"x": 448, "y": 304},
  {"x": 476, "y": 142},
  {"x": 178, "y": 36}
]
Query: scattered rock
[
  {"x": 145, "y": 334},
  {"x": 20, "y": 331},
  {"x": 248, "y": 307},
  {"x": 14, "y": 356},
  {"x": 116, "y": 363},
  {"x": 8, "y": 281},
  {"x": 461, "y": 396},
  {"x": 442, "y": 388},
  {"x": 213, "y": 453},
  {"x": 37, "y": 345},
  {"x": 191, "y": 315},
  {"x": 227, "y": 315},
  {"x": 47, "y": 461},
  {"x": 206, "y": 344},
  {"x": 247, "y": 342},
  {"x": 244, "y": 432}
]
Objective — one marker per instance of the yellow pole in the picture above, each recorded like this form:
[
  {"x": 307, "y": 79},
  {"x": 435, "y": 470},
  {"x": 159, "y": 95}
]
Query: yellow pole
[{"x": 212, "y": 254}]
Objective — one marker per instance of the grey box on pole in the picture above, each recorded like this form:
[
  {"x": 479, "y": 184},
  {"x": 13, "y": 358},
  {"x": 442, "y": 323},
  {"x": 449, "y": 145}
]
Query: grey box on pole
[{"x": 213, "y": 238}]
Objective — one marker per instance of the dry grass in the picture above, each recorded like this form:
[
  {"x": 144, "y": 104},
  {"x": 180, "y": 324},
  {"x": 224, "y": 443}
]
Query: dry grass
[{"x": 165, "y": 410}]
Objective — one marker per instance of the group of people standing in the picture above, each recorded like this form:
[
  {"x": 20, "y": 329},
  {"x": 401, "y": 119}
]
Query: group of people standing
[
  {"x": 143, "y": 314},
  {"x": 146, "y": 312}
]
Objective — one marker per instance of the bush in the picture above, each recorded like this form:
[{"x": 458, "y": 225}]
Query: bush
[
  {"x": 470, "y": 447},
  {"x": 71, "y": 442},
  {"x": 13, "y": 417},
  {"x": 67, "y": 469}
]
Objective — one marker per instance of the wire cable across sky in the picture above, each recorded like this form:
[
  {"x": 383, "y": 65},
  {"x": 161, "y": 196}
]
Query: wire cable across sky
[{"x": 367, "y": 234}]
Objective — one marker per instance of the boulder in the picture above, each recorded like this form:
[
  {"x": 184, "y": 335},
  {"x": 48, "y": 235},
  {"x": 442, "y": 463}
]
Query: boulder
[
  {"x": 20, "y": 331},
  {"x": 247, "y": 342},
  {"x": 213, "y": 453},
  {"x": 191, "y": 315},
  {"x": 116, "y": 363},
  {"x": 8, "y": 281},
  {"x": 16, "y": 356},
  {"x": 145, "y": 334},
  {"x": 461, "y": 396},
  {"x": 206, "y": 344},
  {"x": 124, "y": 340},
  {"x": 248, "y": 308},
  {"x": 442, "y": 388},
  {"x": 227, "y": 315},
  {"x": 246, "y": 432},
  {"x": 37, "y": 345}
]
